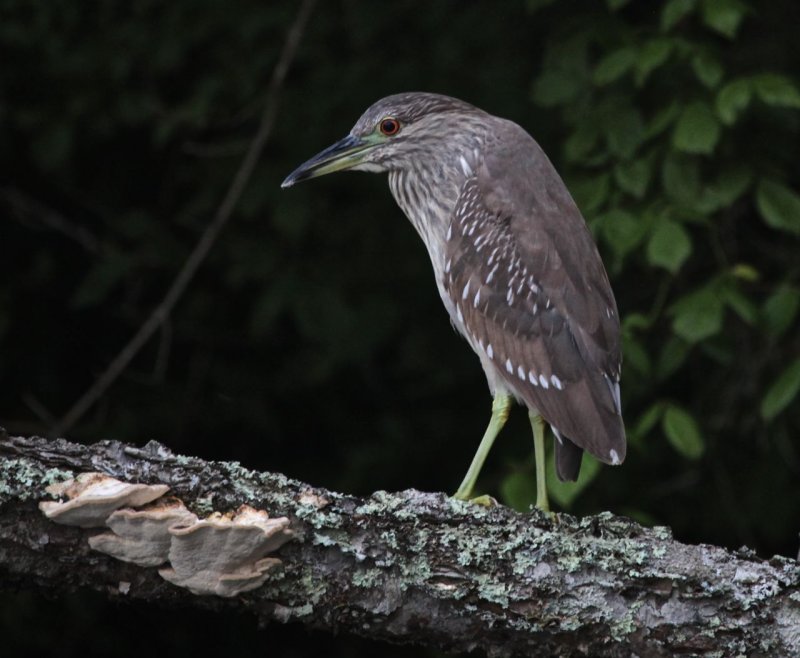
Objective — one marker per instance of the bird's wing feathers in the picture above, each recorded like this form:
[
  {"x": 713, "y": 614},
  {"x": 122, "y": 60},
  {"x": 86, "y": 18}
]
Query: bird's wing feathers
[{"x": 547, "y": 322}]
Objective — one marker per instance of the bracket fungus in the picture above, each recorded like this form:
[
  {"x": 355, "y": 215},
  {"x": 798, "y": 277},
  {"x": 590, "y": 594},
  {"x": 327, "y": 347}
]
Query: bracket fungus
[
  {"x": 141, "y": 536},
  {"x": 92, "y": 497},
  {"x": 226, "y": 555}
]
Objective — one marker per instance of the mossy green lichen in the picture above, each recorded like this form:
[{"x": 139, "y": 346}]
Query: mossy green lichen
[
  {"x": 312, "y": 586},
  {"x": 491, "y": 590},
  {"x": 250, "y": 485},
  {"x": 303, "y": 610},
  {"x": 368, "y": 578},
  {"x": 331, "y": 537},
  {"x": 25, "y": 480},
  {"x": 319, "y": 519},
  {"x": 203, "y": 505},
  {"x": 621, "y": 626},
  {"x": 569, "y": 563}
]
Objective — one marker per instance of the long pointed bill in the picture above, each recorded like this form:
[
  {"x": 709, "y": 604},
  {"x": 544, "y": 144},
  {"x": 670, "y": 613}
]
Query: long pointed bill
[{"x": 344, "y": 154}]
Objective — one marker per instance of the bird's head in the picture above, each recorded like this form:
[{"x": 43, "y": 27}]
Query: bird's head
[{"x": 391, "y": 134}]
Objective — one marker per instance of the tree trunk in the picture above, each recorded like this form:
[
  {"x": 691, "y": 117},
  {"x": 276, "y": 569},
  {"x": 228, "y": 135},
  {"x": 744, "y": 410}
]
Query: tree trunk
[{"x": 421, "y": 568}]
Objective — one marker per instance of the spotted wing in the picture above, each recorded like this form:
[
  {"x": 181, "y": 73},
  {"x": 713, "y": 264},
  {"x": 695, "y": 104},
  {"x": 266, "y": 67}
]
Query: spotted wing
[{"x": 526, "y": 277}]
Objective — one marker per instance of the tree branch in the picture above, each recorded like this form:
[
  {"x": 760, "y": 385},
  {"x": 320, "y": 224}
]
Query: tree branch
[
  {"x": 208, "y": 237},
  {"x": 421, "y": 568}
]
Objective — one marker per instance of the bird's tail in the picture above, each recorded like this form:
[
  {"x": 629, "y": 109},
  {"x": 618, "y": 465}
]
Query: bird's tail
[{"x": 568, "y": 458}]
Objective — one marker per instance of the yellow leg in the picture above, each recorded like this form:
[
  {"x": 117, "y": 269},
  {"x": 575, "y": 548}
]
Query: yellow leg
[
  {"x": 500, "y": 408},
  {"x": 537, "y": 422}
]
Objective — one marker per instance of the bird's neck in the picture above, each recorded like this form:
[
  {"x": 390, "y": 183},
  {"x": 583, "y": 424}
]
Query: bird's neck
[{"x": 427, "y": 191}]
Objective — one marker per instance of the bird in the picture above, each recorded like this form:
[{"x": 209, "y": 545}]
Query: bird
[{"x": 515, "y": 265}]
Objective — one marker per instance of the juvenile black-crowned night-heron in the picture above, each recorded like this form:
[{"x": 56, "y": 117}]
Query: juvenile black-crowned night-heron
[{"x": 515, "y": 265}]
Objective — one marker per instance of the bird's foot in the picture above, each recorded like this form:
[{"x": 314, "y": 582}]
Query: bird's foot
[{"x": 485, "y": 500}]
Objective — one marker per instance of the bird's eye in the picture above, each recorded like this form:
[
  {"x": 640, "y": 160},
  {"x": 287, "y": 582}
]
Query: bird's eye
[{"x": 389, "y": 126}]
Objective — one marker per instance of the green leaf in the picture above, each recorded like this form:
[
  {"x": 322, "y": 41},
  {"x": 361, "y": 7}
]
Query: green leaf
[
  {"x": 731, "y": 183},
  {"x": 781, "y": 394},
  {"x": 697, "y": 130},
  {"x": 669, "y": 246},
  {"x": 698, "y": 316},
  {"x": 622, "y": 231},
  {"x": 780, "y": 310},
  {"x": 779, "y": 206},
  {"x": 634, "y": 321},
  {"x": 739, "y": 302},
  {"x": 733, "y": 99},
  {"x": 652, "y": 55},
  {"x": 708, "y": 69},
  {"x": 636, "y": 355},
  {"x": 681, "y": 178},
  {"x": 745, "y": 272},
  {"x": 682, "y": 432},
  {"x": 662, "y": 120},
  {"x": 583, "y": 140},
  {"x": 590, "y": 192},
  {"x": 723, "y": 16},
  {"x": 556, "y": 87},
  {"x": 674, "y": 11},
  {"x": 564, "y": 493},
  {"x": 776, "y": 90},
  {"x": 672, "y": 357},
  {"x": 647, "y": 421},
  {"x": 614, "y": 65},
  {"x": 624, "y": 132},
  {"x": 633, "y": 176},
  {"x": 722, "y": 192},
  {"x": 518, "y": 490}
]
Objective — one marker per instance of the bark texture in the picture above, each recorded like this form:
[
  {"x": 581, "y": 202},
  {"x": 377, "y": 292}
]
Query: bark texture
[{"x": 420, "y": 568}]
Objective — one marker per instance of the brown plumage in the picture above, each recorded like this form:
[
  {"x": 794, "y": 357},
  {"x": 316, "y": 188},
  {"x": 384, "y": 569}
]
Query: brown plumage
[
  {"x": 550, "y": 313},
  {"x": 515, "y": 264}
]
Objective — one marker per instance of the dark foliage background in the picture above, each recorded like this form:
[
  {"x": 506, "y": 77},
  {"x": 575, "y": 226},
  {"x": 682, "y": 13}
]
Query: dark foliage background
[{"x": 313, "y": 341}]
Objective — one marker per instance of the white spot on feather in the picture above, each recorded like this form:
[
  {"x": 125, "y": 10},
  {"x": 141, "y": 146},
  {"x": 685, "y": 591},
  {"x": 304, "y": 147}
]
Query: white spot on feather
[
  {"x": 466, "y": 291},
  {"x": 614, "y": 388},
  {"x": 543, "y": 381},
  {"x": 449, "y": 235},
  {"x": 615, "y": 461},
  {"x": 556, "y": 382},
  {"x": 532, "y": 378},
  {"x": 509, "y": 367},
  {"x": 521, "y": 373},
  {"x": 465, "y": 166},
  {"x": 477, "y": 299},
  {"x": 490, "y": 351}
]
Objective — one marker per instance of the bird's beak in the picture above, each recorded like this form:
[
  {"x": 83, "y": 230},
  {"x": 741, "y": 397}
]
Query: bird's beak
[{"x": 344, "y": 154}]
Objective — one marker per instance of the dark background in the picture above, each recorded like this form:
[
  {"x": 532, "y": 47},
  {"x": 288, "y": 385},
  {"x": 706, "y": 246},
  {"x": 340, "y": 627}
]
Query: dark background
[{"x": 313, "y": 342}]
